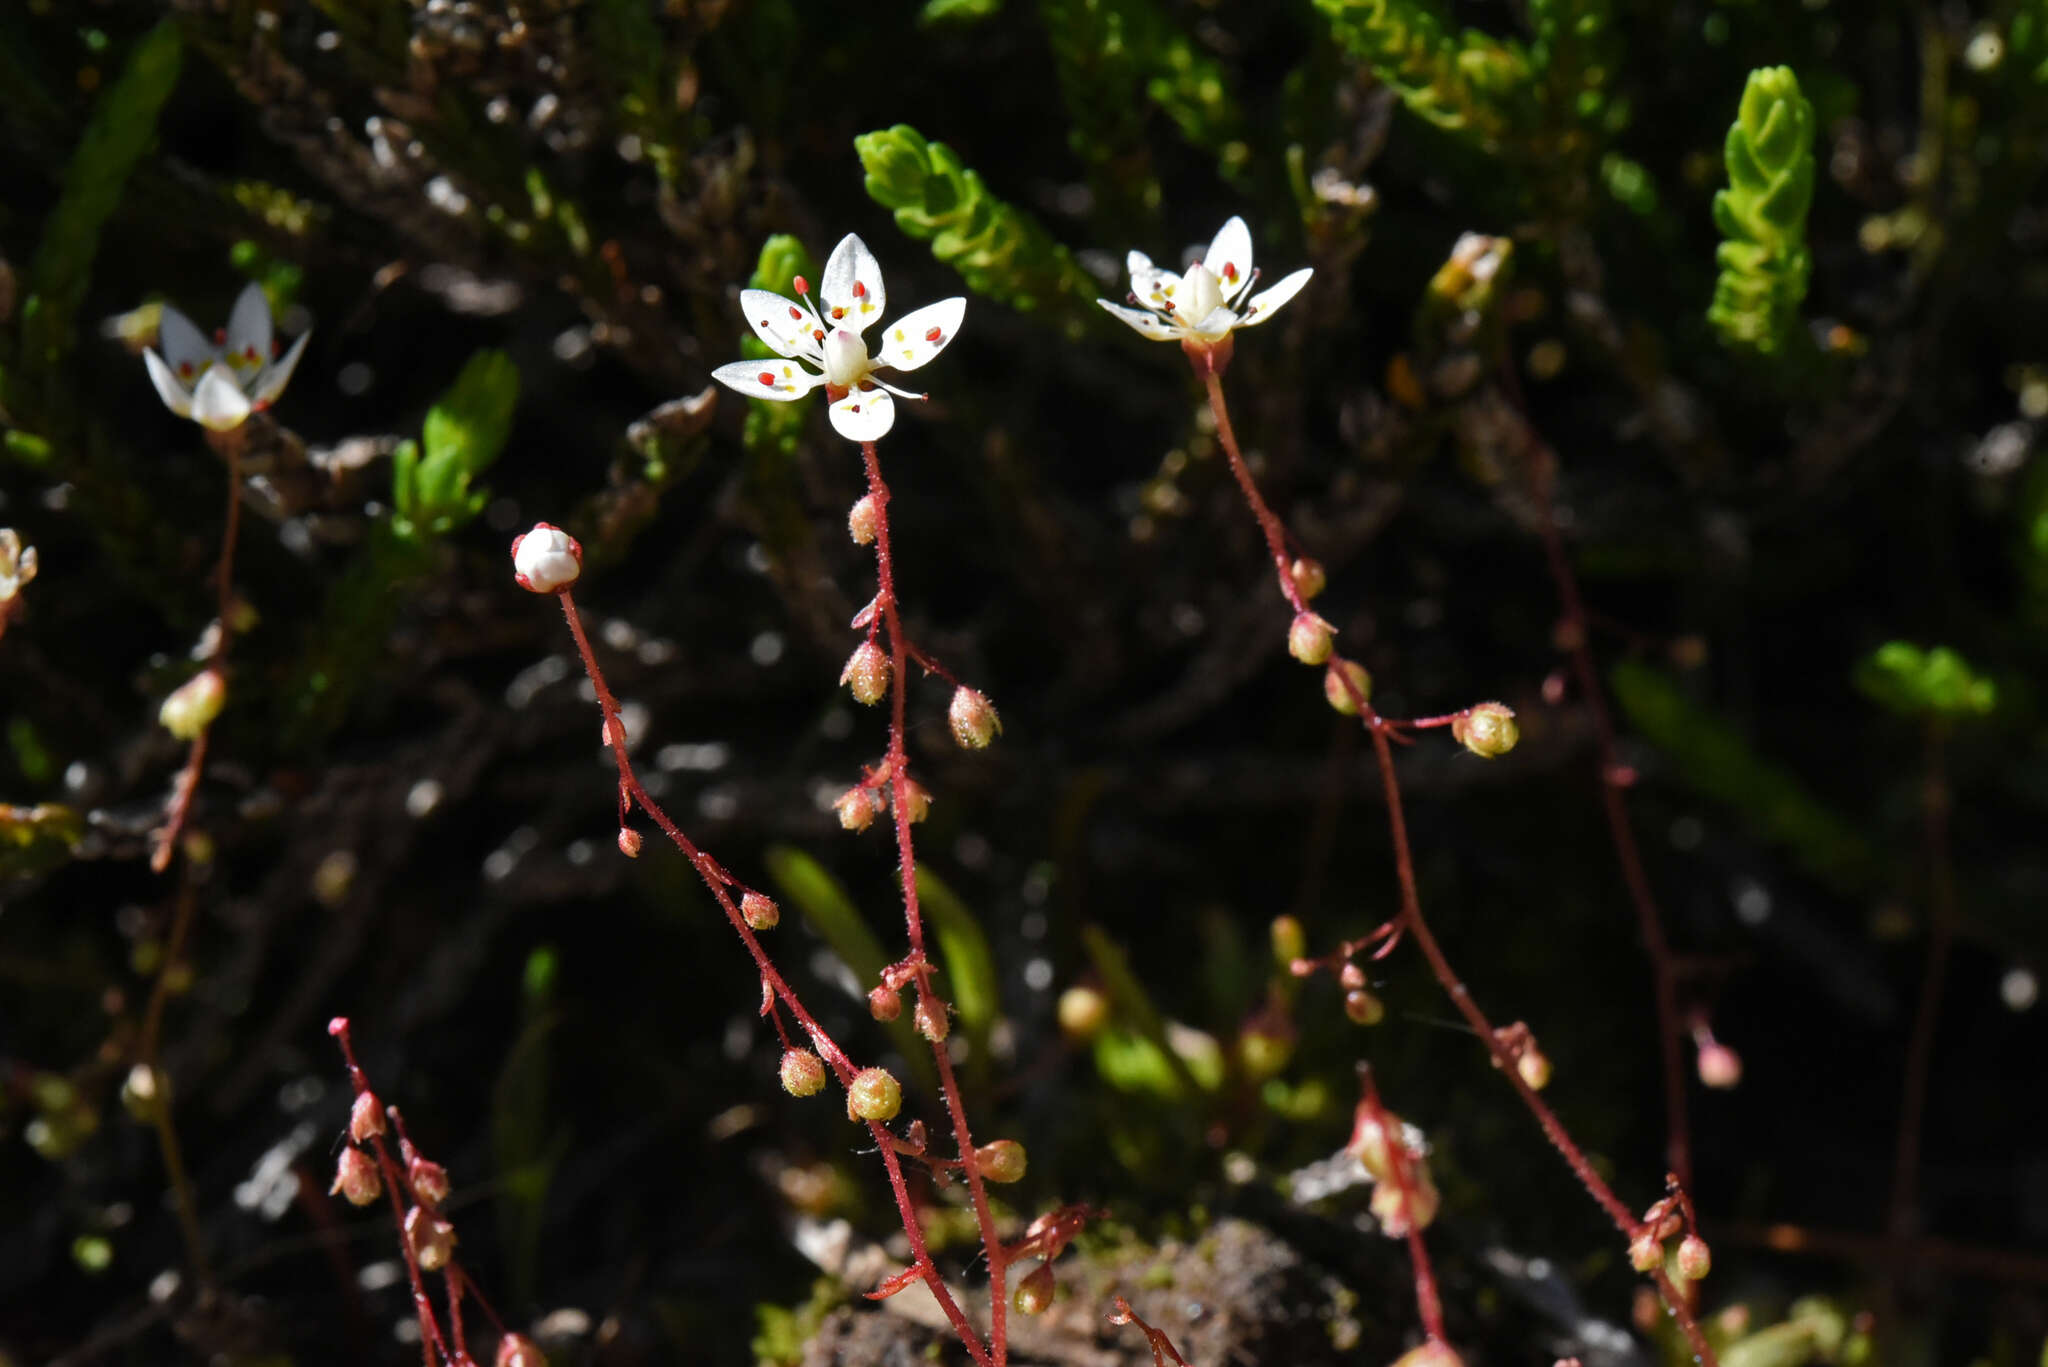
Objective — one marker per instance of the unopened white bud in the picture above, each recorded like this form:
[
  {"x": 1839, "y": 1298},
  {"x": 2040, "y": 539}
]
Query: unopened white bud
[
  {"x": 192, "y": 706},
  {"x": 546, "y": 559}
]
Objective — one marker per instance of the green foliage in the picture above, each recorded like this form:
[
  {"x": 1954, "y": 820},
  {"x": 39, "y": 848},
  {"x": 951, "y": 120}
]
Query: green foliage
[
  {"x": 462, "y": 435},
  {"x": 1937, "y": 683},
  {"x": 826, "y": 905},
  {"x": 1470, "y": 83},
  {"x": 958, "y": 11},
  {"x": 999, "y": 251},
  {"x": 527, "y": 1142},
  {"x": 2028, "y": 40},
  {"x": 775, "y": 427},
  {"x": 1714, "y": 758},
  {"x": 1762, "y": 216},
  {"x": 122, "y": 128},
  {"x": 34, "y": 839},
  {"x": 630, "y": 51}
]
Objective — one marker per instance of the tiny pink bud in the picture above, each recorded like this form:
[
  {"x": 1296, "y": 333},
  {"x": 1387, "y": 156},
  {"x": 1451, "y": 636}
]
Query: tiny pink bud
[
  {"x": 191, "y": 706},
  {"x": 1364, "y": 1008},
  {"x": 629, "y": 842},
  {"x": 365, "y": 1118},
  {"x": 885, "y": 1003},
  {"x": 803, "y": 1072},
  {"x": 1308, "y": 576},
  {"x": 917, "y": 801},
  {"x": 1001, "y": 1161},
  {"x": 856, "y": 808},
  {"x": 1035, "y": 1293},
  {"x": 517, "y": 1350},
  {"x": 1083, "y": 1012},
  {"x": 428, "y": 1180},
  {"x": 546, "y": 559},
  {"x": 355, "y": 1177},
  {"x": 1308, "y": 640},
  {"x": 1487, "y": 730},
  {"x": 974, "y": 719},
  {"x": 1350, "y": 977},
  {"x": 862, "y": 521},
  {"x": 760, "y": 912},
  {"x": 1346, "y": 685},
  {"x": 431, "y": 1238},
  {"x": 1645, "y": 1252},
  {"x": 875, "y": 1095},
  {"x": 1695, "y": 1259},
  {"x": 1720, "y": 1067},
  {"x": 931, "y": 1020},
  {"x": 866, "y": 674}
]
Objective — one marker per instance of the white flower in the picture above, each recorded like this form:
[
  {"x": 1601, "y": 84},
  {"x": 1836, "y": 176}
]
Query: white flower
[
  {"x": 546, "y": 559},
  {"x": 219, "y": 386},
  {"x": 17, "y": 566},
  {"x": 828, "y": 335},
  {"x": 1204, "y": 305}
]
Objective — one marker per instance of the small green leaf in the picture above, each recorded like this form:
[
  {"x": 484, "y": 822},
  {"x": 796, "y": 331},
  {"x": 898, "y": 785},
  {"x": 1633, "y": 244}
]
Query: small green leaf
[
  {"x": 1762, "y": 216},
  {"x": 1914, "y": 682},
  {"x": 463, "y": 434}
]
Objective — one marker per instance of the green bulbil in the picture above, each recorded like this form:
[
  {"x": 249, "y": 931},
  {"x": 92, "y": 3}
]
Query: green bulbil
[
  {"x": 462, "y": 435},
  {"x": 775, "y": 427},
  {"x": 999, "y": 251},
  {"x": 1762, "y": 216},
  {"x": 1936, "y": 683},
  {"x": 1470, "y": 83},
  {"x": 958, "y": 11},
  {"x": 122, "y": 128}
]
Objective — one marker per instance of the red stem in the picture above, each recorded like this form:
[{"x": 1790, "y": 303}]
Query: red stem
[
  {"x": 906, "y": 857},
  {"x": 719, "y": 882}
]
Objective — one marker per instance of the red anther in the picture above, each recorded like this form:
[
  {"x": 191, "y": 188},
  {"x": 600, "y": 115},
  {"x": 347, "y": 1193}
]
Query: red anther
[
  {"x": 250, "y": 351},
  {"x": 860, "y": 291},
  {"x": 1230, "y": 270},
  {"x": 933, "y": 335},
  {"x": 276, "y": 347},
  {"x": 802, "y": 285},
  {"x": 794, "y": 312},
  {"x": 817, "y": 334},
  {"x": 219, "y": 335},
  {"x": 838, "y": 313},
  {"x": 767, "y": 378},
  {"x": 185, "y": 369}
]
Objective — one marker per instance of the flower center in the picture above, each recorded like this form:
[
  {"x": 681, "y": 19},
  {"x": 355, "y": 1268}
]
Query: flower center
[
  {"x": 1202, "y": 294},
  {"x": 846, "y": 359}
]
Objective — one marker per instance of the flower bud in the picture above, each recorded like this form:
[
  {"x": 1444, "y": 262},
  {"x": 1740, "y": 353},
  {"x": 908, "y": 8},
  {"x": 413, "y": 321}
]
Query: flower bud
[
  {"x": 803, "y": 1072},
  {"x": 192, "y": 705},
  {"x": 143, "y": 1092},
  {"x": 1364, "y": 1008},
  {"x": 517, "y": 1350},
  {"x": 355, "y": 1177},
  {"x": 931, "y": 1020},
  {"x": 884, "y": 1003},
  {"x": 1434, "y": 1353},
  {"x": 874, "y": 1095},
  {"x": 1308, "y": 576},
  {"x": 866, "y": 674},
  {"x": 1370, "y": 1142},
  {"x": 1487, "y": 730},
  {"x": 1083, "y": 1012},
  {"x": 1720, "y": 1067},
  {"x": 1350, "y": 977},
  {"x": 760, "y": 912},
  {"x": 1695, "y": 1259},
  {"x": 856, "y": 808},
  {"x": 1308, "y": 640},
  {"x": 1534, "y": 1068},
  {"x": 974, "y": 719},
  {"x": 431, "y": 1238},
  {"x": 917, "y": 801},
  {"x": 1645, "y": 1252},
  {"x": 1001, "y": 1161},
  {"x": 546, "y": 559},
  {"x": 861, "y": 521},
  {"x": 629, "y": 842},
  {"x": 1339, "y": 693},
  {"x": 1034, "y": 1293},
  {"x": 428, "y": 1180},
  {"x": 365, "y": 1117},
  {"x": 1399, "y": 1210}
]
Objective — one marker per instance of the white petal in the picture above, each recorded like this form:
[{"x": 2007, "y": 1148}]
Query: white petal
[
  {"x": 780, "y": 381},
  {"x": 1266, "y": 301},
  {"x": 787, "y": 329},
  {"x": 1217, "y": 322},
  {"x": 1230, "y": 255},
  {"x": 921, "y": 334},
  {"x": 186, "y": 349},
  {"x": 864, "y": 415},
  {"x": 271, "y": 380},
  {"x": 249, "y": 329},
  {"x": 219, "y": 402},
  {"x": 852, "y": 267},
  {"x": 1153, "y": 286},
  {"x": 168, "y": 389},
  {"x": 1147, "y": 324}
]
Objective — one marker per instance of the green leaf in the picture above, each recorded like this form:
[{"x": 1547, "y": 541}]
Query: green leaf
[
  {"x": 964, "y": 954},
  {"x": 1713, "y": 757},
  {"x": 1132, "y": 1005},
  {"x": 775, "y": 428},
  {"x": 958, "y": 11},
  {"x": 825, "y": 904},
  {"x": 1471, "y": 83},
  {"x": 1762, "y": 216},
  {"x": 1930, "y": 683},
  {"x": 462, "y": 436}
]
